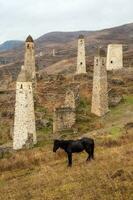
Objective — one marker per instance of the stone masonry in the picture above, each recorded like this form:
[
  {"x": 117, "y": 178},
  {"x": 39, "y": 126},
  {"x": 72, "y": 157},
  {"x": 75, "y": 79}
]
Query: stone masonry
[
  {"x": 81, "y": 62},
  {"x": 24, "y": 122},
  {"x": 29, "y": 61},
  {"x": 70, "y": 99},
  {"x": 114, "y": 56},
  {"x": 99, "y": 92},
  {"x": 64, "y": 117}
]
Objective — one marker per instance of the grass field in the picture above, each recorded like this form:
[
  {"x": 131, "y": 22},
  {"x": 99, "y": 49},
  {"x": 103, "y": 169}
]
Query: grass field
[{"x": 40, "y": 174}]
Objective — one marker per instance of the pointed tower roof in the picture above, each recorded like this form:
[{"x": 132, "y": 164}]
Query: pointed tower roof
[
  {"x": 29, "y": 39},
  {"x": 81, "y": 36}
]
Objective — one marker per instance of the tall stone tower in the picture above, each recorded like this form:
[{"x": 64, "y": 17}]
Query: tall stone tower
[
  {"x": 99, "y": 92},
  {"x": 29, "y": 60},
  {"x": 114, "y": 56},
  {"x": 81, "y": 62},
  {"x": 24, "y": 122}
]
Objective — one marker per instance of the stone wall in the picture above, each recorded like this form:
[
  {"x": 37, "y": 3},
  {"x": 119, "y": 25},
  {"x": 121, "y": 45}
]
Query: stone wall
[
  {"x": 99, "y": 93},
  {"x": 70, "y": 99},
  {"x": 24, "y": 123},
  {"x": 114, "y": 56},
  {"x": 64, "y": 118}
]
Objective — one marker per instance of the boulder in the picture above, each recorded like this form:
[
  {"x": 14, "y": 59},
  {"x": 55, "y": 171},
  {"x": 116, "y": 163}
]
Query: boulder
[
  {"x": 42, "y": 123},
  {"x": 114, "y": 98},
  {"x": 129, "y": 127},
  {"x": 117, "y": 81},
  {"x": 114, "y": 101}
]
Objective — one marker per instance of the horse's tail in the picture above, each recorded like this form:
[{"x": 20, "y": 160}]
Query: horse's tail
[{"x": 92, "y": 150}]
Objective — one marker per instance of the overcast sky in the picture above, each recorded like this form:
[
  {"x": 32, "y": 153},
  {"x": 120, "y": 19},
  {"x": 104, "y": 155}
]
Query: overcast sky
[{"x": 18, "y": 18}]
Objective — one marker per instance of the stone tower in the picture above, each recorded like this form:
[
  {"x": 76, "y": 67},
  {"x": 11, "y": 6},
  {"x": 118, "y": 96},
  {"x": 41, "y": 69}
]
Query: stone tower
[
  {"x": 29, "y": 60},
  {"x": 114, "y": 56},
  {"x": 99, "y": 92},
  {"x": 24, "y": 122},
  {"x": 81, "y": 62},
  {"x": 53, "y": 52}
]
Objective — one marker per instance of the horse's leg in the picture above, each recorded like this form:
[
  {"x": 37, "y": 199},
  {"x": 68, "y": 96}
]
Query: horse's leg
[
  {"x": 69, "y": 159},
  {"x": 89, "y": 154},
  {"x": 92, "y": 151}
]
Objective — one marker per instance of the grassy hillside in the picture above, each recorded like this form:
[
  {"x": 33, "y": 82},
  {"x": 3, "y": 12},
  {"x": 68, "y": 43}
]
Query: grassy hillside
[{"x": 40, "y": 174}]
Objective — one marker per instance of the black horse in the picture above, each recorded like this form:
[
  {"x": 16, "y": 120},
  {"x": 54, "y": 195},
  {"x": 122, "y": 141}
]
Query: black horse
[{"x": 75, "y": 146}]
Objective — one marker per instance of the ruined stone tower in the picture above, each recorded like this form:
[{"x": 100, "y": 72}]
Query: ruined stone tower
[
  {"x": 99, "y": 92},
  {"x": 29, "y": 60},
  {"x": 70, "y": 99},
  {"x": 114, "y": 56},
  {"x": 64, "y": 117},
  {"x": 24, "y": 122},
  {"x": 81, "y": 62}
]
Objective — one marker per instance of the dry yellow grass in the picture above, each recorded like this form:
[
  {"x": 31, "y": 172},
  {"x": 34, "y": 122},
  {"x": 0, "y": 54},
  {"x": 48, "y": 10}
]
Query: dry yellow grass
[{"x": 39, "y": 174}]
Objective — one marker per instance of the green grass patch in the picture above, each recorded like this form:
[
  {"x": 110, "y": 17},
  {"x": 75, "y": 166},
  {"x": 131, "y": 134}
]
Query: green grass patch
[
  {"x": 68, "y": 134},
  {"x": 115, "y": 132},
  {"x": 43, "y": 142},
  {"x": 41, "y": 109},
  {"x": 4, "y": 134},
  {"x": 83, "y": 106},
  {"x": 2, "y": 183},
  {"x": 43, "y": 136},
  {"x": 128, "y": 99},
  {"x": 44, "y": 131},
  {"x": 120, "y": 109}
]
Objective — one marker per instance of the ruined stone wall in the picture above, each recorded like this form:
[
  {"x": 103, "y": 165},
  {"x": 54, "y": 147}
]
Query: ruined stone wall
[
  {"x": 24, "y": 122},
  {"x": 81, "y": 62},
  {"x": 70, "y": 99},
  {"x": 114, "y": 56},
  {"x": 64, "y": 118},
  {"x": 99, "y": 92}
]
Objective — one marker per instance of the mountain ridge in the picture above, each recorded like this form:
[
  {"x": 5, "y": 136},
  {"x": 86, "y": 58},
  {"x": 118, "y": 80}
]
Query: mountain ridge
[
  {"x": 65, "y": 45},
  {"x": 10, "y": 44}
]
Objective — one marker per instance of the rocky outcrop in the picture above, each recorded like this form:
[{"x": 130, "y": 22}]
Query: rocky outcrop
[{"x": 114, "y": 98}]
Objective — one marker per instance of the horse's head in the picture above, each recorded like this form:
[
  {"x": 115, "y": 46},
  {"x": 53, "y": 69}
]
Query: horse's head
[{"x": 56, "y": 145}]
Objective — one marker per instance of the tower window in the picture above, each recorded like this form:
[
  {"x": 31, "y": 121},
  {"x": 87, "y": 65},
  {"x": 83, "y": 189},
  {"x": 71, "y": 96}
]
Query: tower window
[
  {"x": 96, "y": 61},
  {"x": 28, "y": 45},
  {"x": 111, "y": 62},
  {"x": 21, "y": 87},
  {"x": 81, "y": 63}
]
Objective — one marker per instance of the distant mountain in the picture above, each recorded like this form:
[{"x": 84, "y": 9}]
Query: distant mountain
[
  {"x": 61, "y": 37},
  {"x": 122, "y": 34},
  {"x": 65, "y": 45},
  {"x": 9, "y": 45}
]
